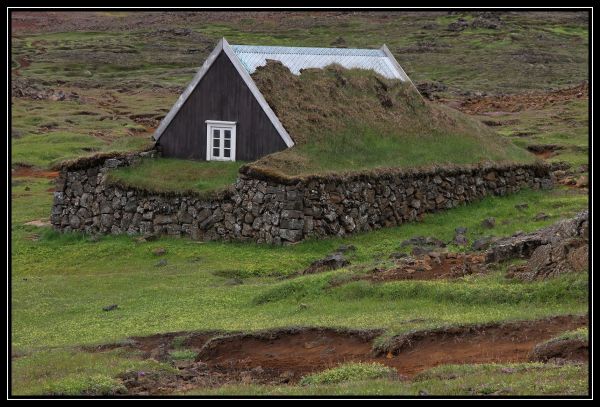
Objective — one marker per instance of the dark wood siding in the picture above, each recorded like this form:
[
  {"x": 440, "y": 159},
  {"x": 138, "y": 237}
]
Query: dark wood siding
[{"x": 221, "y": 95}]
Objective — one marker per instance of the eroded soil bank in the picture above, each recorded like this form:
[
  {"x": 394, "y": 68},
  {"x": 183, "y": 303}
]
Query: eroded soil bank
[{"x": 285, "y": 355}]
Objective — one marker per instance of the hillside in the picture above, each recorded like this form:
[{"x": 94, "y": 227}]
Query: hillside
[
  {"x": 113, "y": 315},
  {"x": 351, "y": 120}
]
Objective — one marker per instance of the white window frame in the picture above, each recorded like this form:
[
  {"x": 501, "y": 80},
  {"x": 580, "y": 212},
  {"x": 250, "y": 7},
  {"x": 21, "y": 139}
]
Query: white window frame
[{"x": 212, "y": 124}]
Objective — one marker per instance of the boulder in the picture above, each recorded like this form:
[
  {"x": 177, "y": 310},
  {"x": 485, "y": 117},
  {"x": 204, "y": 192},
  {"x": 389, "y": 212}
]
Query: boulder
[{"x": 331, "y": 262}]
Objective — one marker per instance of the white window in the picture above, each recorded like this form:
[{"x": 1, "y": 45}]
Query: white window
[{"x": 220, "y": 140}]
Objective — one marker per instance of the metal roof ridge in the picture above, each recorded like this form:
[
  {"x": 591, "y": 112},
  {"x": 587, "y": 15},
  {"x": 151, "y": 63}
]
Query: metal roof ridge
[{"x": 281, "y": 47}]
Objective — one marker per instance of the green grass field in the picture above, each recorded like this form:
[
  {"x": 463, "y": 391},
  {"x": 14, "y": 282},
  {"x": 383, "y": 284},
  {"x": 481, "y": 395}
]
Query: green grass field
[
  {"x": 65, "y": 280},
  {"x": 126, "y": 74},
  {"x": 464, "y": 380}
]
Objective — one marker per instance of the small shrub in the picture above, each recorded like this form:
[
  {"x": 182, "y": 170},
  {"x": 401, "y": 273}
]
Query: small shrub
[
  {"x": 178, "y": 341},
  {"x": 580, "y": 334},
  {"x": 183, "y": 354},
  {"x": 349, "y": 372}
]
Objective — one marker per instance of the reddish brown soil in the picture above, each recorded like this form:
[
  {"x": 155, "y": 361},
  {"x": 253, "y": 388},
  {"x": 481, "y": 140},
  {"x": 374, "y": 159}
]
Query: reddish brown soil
[
  {"x": 544, "y": 150},
  {"x": 24, "y": 171},
  {"x": 490, "y": 105},
  {"x": 511, "y": 342},
  {"x": 23, "y": 62},
  {"x": 289, "y": 353},
  {"x": 311, "y": 351},
  {"x": 284, "y": 356},
  {"x": 426, "y": 268}
]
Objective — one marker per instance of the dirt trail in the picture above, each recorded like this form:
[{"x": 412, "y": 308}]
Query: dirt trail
[
  {"x": 285, "y": 355},
  {"x": 25, "y": 171}
]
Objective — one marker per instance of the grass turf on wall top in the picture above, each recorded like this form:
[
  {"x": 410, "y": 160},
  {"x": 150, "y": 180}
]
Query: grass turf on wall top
[{"x": 349, "y": 120}]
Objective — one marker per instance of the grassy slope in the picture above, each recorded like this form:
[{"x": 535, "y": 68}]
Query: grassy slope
[
  {"x": 121, "y": 69},
  {"x": 65, "y": 280},
  {"x": 352, "y": 120},
  {"x": 564, "y": 124},
  {"x": 71, "y": 278}
]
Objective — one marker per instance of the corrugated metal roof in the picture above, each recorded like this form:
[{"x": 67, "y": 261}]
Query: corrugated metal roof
[{"x": 297, "y": 58}]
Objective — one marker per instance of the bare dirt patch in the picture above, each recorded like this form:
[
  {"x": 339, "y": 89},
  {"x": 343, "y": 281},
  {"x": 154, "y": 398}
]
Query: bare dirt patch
[
  {"x": 544, "y": 150},
  {"x": 23, "y": 62},
  {"x": 26, "y": 171},
  {"x": 493, "y": 343},
  {"x": 285, "y": 355},
  {"x": 38, "y": 223},
  {"x": 488, "y": 105},
  {"x": 431, "y": 267}
]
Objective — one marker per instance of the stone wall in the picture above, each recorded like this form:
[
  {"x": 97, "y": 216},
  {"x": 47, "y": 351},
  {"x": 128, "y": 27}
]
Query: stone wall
[{"x": 267, "y": 211}]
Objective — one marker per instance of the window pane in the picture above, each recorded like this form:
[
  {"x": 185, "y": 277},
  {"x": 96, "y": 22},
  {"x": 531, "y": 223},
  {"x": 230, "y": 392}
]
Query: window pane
[
  {"x": 216, "y": 142},
  {"x": 227, "y": 133},
  {"x": 226, "y": 153},
  {"x": 227, "y": 143},
  {"x": 215, "y": 152},
  {"x": 216, "y": 133}
]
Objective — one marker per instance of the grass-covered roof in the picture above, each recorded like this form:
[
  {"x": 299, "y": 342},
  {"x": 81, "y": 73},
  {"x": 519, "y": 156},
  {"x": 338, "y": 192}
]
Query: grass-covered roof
[{"x": 350, "y": 120}]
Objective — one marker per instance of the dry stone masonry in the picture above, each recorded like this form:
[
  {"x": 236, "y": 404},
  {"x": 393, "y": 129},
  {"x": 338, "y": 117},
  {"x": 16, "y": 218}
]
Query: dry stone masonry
[{"x": 268, "y": 211}]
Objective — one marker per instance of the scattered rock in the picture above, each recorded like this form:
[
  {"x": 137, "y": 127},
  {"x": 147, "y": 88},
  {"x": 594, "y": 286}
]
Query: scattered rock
[
  {"x": 459, "y": 25},
  {"x": 487, "y": 20},
  {"x": 460, "y": 230},
  {"x": 161, "y": 263},
  {"x": 568, "y": 255},
  {"x": 459, "y": 236},
  {"x": 582, "y": 182},
  {"x": 339, "y": 42},
  {"x": 430, "y": 89},
  {"x": 430, "y": 26},
  {"x": 159, "y": 251},
  {"x": 523, "y": 245},
  {"x": 563, "y": 349},
  {"x": 541, "y": 216},
  {"x": 111, "y": 307},
  {"x": 482, "y": 243},
  {"x": 522, "y": 206},
  {"x": 346, "y": 248},
  {"x": 424, "y": 243},
  {"x": 14, "y": 133},
  {"x": 488, "y": 223},
  {"x": 286, "y": 376},
  {"x": 332, "y": 262},
  {"x": 398, "y": 255}
]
